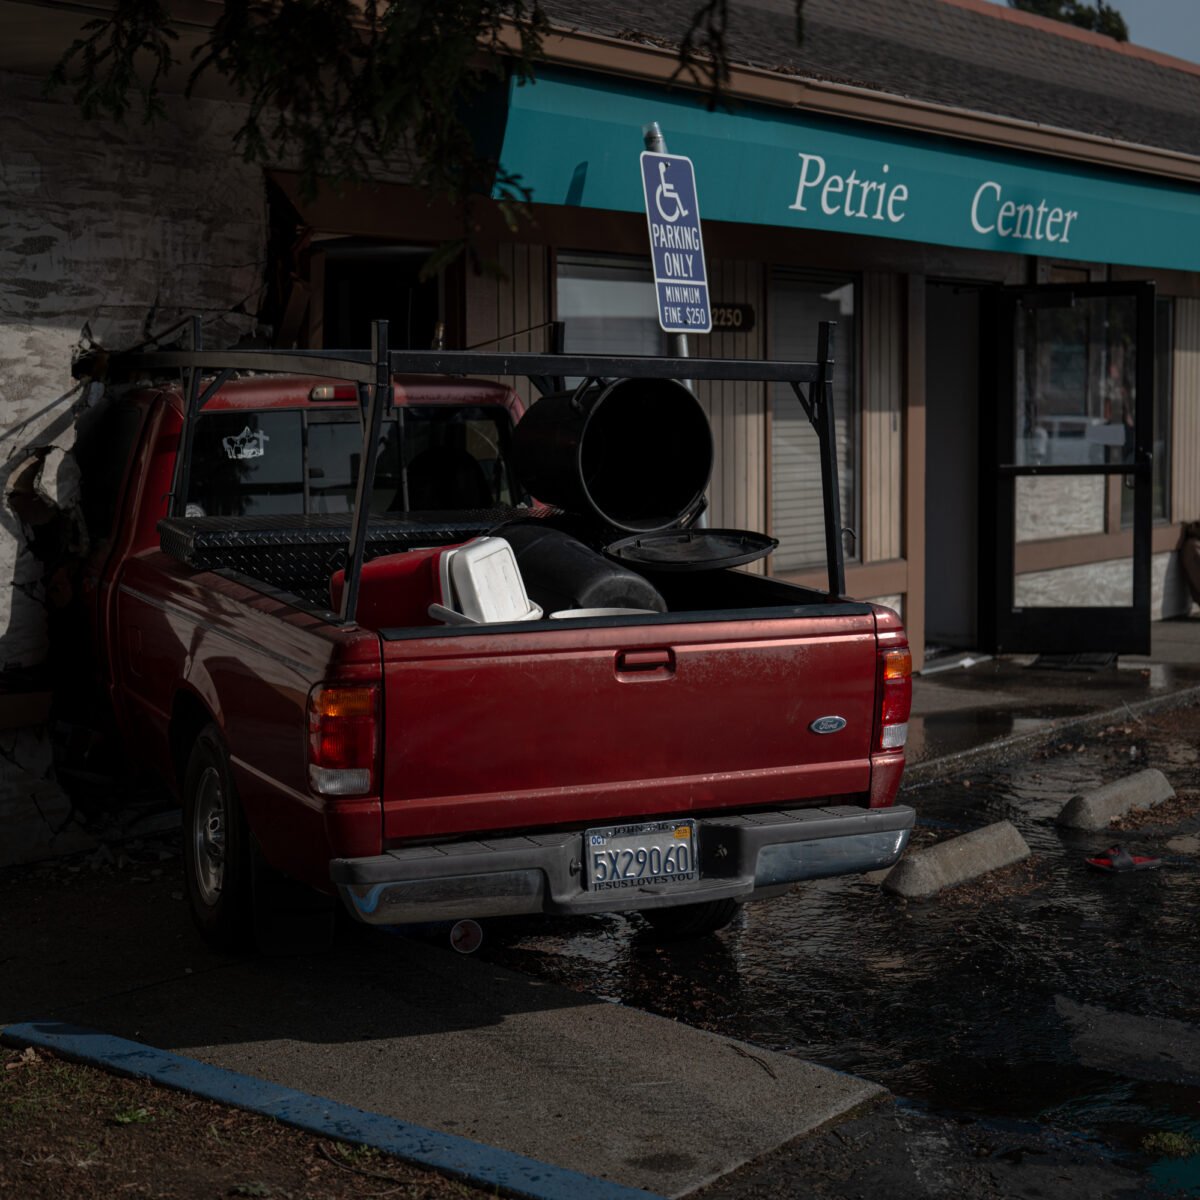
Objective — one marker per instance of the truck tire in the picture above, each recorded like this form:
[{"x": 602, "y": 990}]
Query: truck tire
[
  {"x": 238, "y": 900},
  {"x": 692, "y": 920},
  {"x": 217, "y": 864}
]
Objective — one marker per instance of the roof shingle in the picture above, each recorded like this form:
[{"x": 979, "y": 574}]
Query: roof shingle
[{"x": 938, "y": 52}]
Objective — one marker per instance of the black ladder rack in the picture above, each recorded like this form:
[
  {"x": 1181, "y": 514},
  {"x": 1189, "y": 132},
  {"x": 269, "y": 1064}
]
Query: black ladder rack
[{"x": 372, "y": 370}]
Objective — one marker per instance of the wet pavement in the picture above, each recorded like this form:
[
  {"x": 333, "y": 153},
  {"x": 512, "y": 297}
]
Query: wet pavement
[
  {"x": 997, "y": 708},
  {"x": 1050, "y": 1001}
]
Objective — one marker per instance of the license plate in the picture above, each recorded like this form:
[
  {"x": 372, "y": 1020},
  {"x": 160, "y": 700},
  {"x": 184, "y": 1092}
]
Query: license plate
[{"x": 654, "y": 854}]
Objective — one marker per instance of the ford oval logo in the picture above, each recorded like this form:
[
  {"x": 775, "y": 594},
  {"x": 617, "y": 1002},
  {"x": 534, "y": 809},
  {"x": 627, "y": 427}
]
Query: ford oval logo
[{"x": 828, "y": 724}]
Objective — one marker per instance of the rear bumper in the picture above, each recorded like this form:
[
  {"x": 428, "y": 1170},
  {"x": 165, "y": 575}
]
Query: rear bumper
[{"x": 541, "y": 873}]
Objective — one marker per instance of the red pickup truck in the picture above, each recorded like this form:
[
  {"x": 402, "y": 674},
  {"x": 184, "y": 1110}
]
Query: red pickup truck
[{"x": 740, "y": 736}]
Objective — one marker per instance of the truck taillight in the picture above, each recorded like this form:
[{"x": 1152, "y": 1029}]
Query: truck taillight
[
  {"x": 343, "y": 740},
  {"x": 895, "y": 698}
]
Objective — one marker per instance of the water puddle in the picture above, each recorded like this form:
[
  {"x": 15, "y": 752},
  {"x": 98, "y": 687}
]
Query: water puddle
[
  {"x": 936, "y": 735},
  {"x": 963, "y": 1003}
]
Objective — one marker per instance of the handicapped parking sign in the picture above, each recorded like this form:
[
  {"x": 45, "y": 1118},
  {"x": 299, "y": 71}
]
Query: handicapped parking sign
[{"x": 676, "y": 243}]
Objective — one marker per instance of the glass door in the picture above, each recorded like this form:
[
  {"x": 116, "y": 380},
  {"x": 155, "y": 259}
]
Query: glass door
[{"x": 1066, "y": 471}]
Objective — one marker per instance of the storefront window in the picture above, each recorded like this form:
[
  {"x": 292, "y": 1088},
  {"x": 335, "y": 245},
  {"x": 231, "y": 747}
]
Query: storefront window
[
  {"x": 797, "y": 304},
  {"x": 607, "y": 305},
  {"x": 1076, "y": 402},
  {"x": 1076, "y": 381}
]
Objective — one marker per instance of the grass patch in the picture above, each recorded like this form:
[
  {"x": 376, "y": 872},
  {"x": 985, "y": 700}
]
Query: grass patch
[
  {"x": 132, "y": 1116},
  {"x": 1166, "y": 1143},
  {"x": 357, "y": 1156}
]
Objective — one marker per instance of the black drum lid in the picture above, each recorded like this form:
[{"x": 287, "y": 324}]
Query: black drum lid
[{"x": 692, "y": 549}]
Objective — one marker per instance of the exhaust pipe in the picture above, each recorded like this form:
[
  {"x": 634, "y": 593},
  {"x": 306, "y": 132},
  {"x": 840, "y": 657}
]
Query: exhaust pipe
[{"x": 466, "y": 936}]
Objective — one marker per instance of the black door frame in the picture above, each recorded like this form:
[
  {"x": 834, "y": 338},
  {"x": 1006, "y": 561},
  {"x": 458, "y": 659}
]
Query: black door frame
[{"x": 1003, "y": 627}]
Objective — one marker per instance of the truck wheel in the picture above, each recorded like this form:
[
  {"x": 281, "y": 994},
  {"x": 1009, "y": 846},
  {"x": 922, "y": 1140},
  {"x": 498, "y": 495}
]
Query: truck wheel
[
  {"x": 692, "y": 920},
  {"x": 216, "y": 852},
  {"x": 237, "y": 899}
]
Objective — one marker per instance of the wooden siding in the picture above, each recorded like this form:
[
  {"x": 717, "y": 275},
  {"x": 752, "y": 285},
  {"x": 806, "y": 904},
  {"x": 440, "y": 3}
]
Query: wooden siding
[
  {"x": 497, "y": 306},
  {"x": 1185, "y": 415},
  {"x": 882, "y": 418},
  {"x": 796, "y": 303},
  {"x": 736, "y": 410}
]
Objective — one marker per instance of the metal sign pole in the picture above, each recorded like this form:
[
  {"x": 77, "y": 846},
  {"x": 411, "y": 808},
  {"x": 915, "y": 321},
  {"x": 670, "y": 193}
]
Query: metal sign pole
[{"x": 677, "y": 343}]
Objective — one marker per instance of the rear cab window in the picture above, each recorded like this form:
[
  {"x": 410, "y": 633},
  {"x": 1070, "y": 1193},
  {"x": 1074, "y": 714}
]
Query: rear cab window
[{"x": 306, "y": 461}]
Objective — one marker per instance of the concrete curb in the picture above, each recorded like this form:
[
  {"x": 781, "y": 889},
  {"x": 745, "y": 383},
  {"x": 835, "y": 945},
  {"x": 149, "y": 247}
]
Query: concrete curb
[
  {"x": 485, "y": 1166},
  {"x": 1097, "y": 809},
  {"x": 920, "y": 774},
  {"x": 957, "y": 860}
]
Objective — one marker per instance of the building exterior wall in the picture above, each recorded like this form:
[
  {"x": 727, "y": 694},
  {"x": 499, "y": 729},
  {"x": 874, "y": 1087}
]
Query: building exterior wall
[
  {"x": 110, "y": 233},
  {"x": 1052, "y": 513},
  {"x": 514, "y": 296},
  {"x": 1185, "y": 414},
  {"x": 882, "y": 533}
]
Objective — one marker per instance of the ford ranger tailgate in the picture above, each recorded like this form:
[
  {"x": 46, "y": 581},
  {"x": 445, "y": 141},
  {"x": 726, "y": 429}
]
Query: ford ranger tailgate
[{"x": 506, "y": 728}]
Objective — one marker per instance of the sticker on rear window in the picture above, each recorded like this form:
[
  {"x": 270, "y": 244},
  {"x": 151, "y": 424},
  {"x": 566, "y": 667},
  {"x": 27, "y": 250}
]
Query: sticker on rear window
[{"x": 248, "y": 444}]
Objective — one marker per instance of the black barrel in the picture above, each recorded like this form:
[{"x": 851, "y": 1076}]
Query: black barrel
[
  {"x": 636, "y": 453},
  {"x": 561, "y": 573}
]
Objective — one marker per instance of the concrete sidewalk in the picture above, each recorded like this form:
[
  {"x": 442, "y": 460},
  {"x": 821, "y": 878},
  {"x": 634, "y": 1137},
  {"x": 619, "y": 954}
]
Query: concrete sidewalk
[
  {"x": 973, "y": 713},
  {"x": 416, "y": 1032}
]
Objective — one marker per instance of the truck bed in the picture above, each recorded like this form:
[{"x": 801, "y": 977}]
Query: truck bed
[{"x": 707, "y": 707}]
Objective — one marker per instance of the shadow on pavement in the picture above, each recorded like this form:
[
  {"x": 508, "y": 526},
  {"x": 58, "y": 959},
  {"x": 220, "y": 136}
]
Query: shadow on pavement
[{"x": 102, "y": 949}]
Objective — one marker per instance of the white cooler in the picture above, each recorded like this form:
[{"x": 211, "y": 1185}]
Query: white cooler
[{"x": 482, "y": 584}]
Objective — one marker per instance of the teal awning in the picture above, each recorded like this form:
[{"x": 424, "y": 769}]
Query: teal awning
[{"x": 575, "y": 139}]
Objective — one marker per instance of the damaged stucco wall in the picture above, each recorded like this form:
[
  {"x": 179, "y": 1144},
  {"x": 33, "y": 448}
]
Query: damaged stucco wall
[{"x": 109, "y": 234}]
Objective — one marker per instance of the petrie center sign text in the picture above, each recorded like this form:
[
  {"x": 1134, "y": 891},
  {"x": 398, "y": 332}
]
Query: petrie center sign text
[{"x": 884, "y": 199}]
